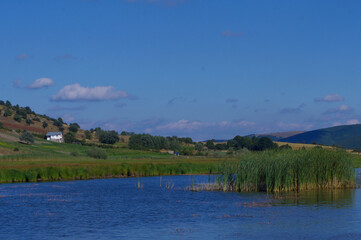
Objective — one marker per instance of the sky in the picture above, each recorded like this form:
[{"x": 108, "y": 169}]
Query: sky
[{"x": 197, "y": 68}]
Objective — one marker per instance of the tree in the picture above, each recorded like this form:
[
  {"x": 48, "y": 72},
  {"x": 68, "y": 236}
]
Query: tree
[
  {"x": 88, "y": 135},
  {"x": 57, "y": 123},
  {"x": 7, "y": 112},
  {"x": 210, "y": 144},
  {"x": 27, "y": 137},
  {"x": 69, "y": 137},
  {"x": 221, "y": 146},
  {"x": 264, "y": 143},
  {"x": 21, "y": 112},
  {"x": 73, "y": 127},
  {"x": 8, "y": 104},
  {"x": 28, "y": 121},
  {"x": 45, "y": 124},
  {"x": 28, "y": 110},
  {"x": 109, "y": 137},
  {"x": 199, "y": 146},
  {"x": 285, "y": 147},
  {"x": 17, "y": 118}
]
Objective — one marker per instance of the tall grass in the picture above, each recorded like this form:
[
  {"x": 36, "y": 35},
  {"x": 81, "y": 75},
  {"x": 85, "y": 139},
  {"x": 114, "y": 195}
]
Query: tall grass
[
  {"x": 60, "y": 173},
  {"x": 287, "y": 170}
]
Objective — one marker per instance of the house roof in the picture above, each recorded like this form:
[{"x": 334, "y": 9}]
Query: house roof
[{"x": 49, "y": 134}]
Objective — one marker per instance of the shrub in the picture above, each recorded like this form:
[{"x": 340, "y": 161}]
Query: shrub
[
  {"x": 57, "y": 123},
  {"x": 16, "y": 149},
  {"x": 7, "y": 113},
  {"x": 27, "y": 137},
  {"x": 97, "y": 153},
  {"x": 73, "y": 127},
  {"x": 88, "y": 135},
  {"x": 69, "y": 137},
  {"x": 45, "y": 124},
  {"x": 74, "y": 154},
  {"x": 36, "y": 119},
  {"x": 17, "y": 118},
  {"x": 28, "y": 121},
  {"x": 109, "y": 137}
]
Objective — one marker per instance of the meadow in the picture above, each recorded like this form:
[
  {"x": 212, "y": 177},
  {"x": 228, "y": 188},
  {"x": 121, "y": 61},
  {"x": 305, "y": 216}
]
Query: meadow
[
  {"x": 285, "y": 170},
  {"x": 48, "y": 161}
]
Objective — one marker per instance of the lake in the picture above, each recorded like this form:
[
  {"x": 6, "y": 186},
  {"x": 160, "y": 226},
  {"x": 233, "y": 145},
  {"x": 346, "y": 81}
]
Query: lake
[{"x": 161, "y": 208}]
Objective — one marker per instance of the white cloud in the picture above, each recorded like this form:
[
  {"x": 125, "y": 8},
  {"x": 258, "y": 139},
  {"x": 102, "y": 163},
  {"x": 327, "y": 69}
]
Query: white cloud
[
  {"x": 184, "y": 125},
  {"x": 41, "y": 83},
  {"x": 293, "y": 126},
  {"x": 189, "y": 126},
  {"x": 330, "y": 98},
  {"x": 352, "y": 121},
  {"x": 76, "y": 92},
  {"x": 343, "y": 109}
]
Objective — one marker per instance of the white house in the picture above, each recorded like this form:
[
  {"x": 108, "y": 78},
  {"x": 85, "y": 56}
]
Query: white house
[{"x": 55, "y": 136}]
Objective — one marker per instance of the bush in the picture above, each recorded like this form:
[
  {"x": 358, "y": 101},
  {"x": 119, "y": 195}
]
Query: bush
[
  {"x": 28, "y": 121},
  {"x": 45, "y": 124},
  {"x": 17, "y": 118},
  {"x": 97, "y": 153},
  {"x": 109, "y": 137},
  {"x": 69, "y": 137},
  {"x": 74, "y": 154},
  {"x": 27, "y": 137},
  {"x": 357, "y": 150},
  {"x": 73, "y": 127},
  {"x": 7, "y": 113},
  {"x": 16, "y": 149},
  {"x": 88, "y": 135},
  {"x": 57, "y": 123}
]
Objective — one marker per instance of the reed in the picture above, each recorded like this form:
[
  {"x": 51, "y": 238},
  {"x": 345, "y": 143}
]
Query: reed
[{"x": 287, "y": 170}]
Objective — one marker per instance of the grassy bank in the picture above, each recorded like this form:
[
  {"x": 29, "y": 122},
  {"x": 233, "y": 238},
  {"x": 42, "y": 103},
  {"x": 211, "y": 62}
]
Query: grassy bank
[
  {"x": 268, "y": 171},
  {"x": 279, "y": 171},
  {"x": 48, "y": 161}
]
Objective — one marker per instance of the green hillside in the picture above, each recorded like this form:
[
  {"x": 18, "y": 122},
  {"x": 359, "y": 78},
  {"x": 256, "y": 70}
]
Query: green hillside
[{"x": 347, "y": 136}]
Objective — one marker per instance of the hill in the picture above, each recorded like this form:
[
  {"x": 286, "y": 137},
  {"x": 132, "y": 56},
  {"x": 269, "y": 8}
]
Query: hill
[
  {"x": 279, "y": 135},
  {"x": 16, "y": 119},
  {"x": 347, "y": 136}
]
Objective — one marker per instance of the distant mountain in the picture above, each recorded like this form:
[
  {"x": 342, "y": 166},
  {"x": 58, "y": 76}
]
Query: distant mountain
[
  {"x": 273, "y": 136},
  {"x": 279, "y": 135},
  {"x": 347, "y": 136}
]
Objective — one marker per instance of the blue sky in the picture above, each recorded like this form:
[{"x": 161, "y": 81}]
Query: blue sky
[{"x": 204, "y": 69}]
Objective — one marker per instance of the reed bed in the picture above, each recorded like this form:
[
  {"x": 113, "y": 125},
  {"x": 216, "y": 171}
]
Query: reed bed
[{"x": 287, "y": 170}]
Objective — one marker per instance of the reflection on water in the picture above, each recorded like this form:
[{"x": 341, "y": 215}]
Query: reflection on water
[
  {"x": 117, "y": 208},
  {"x": 335, "y": 198}
]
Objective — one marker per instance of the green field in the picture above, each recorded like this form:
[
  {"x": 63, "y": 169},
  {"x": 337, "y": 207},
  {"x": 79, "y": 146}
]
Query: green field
[{"x": 48, "y": 161}]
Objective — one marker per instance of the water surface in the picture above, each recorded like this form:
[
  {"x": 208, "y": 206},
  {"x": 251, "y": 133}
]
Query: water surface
[{"x": 163, "y": 209}]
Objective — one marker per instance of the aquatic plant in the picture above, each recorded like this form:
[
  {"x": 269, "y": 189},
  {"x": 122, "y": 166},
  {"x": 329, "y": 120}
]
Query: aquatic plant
[{"x": 287, "y": 170}]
